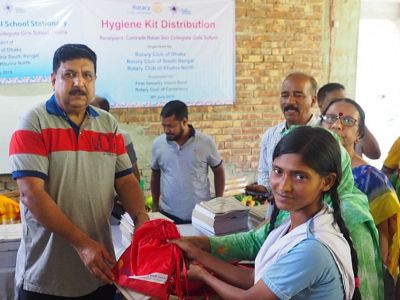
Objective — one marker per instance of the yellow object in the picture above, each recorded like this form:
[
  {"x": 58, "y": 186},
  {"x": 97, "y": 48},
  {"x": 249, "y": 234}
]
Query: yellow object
[
  {"x": 248, "y": 201},
  {"x": 9, "y": 211},
  {"x": 382, "y": 208}
]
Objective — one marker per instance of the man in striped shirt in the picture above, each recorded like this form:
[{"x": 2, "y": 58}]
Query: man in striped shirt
[{"x": 67, "y": 158}]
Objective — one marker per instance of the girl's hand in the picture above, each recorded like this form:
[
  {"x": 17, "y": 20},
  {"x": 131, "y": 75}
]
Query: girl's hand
[
  {"x": 196, "y": 272},
  {"x": 191, "y": 251}
]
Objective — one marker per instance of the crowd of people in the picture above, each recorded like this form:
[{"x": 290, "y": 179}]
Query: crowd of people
[{"x": 69, "y": 158}]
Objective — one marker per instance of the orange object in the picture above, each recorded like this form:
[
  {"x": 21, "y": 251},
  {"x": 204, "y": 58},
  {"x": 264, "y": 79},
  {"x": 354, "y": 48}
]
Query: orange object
[{"x": 9, "y": 211}]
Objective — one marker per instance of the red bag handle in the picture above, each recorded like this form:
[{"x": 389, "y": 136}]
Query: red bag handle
[{"x": 168, "y": 231}]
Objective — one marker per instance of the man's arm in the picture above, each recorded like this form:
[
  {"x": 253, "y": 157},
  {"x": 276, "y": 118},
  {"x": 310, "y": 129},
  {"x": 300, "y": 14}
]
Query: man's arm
[
  {"x": 95, "y": 257},
  {"x": 369, "y": 146},
  {"x": 135, "y": 171},
  {"x": 260, "y": 189},
  {"x": 387, "y": 171},
  {"x": 263, "y": 168},
  {"x": 133, "y": 158},
  {"x": 155, "y": 189},
  {"x": 132, "y": 199},
  {"x": 219, "y": 180},
  {"x": 384, "y": 240}
]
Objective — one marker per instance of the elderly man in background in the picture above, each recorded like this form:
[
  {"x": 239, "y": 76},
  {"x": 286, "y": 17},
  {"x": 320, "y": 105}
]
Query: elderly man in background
[{"x": 298, "y": 97}]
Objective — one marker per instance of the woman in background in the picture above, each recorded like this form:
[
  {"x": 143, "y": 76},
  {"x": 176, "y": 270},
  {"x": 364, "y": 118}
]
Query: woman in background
[{"x": 347, "y": 119}]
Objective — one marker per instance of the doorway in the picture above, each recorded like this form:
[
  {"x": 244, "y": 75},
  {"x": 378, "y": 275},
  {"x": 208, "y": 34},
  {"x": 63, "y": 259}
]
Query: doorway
[{"x": 378, "y": 71}]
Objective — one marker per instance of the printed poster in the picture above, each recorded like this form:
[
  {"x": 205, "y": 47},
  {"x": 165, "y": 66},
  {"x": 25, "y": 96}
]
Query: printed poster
[{"x": 149, "y": 52}]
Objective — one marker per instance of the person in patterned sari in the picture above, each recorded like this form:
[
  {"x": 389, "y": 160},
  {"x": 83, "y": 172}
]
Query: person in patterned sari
[{"x": 345, "y": 117}]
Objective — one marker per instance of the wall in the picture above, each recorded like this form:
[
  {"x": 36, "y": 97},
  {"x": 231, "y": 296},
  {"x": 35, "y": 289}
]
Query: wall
[
  {"x": 7, "y": 184},
  {"x": 342, "y": 38},
  {"x": 273, "y": 38}
]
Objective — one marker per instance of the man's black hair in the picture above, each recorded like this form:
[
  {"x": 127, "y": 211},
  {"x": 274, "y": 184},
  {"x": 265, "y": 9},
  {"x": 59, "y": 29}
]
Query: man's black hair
[
  {"x": 328, "y": 88},
  {"x": 101, "y": 103},
  {"x": 73, "y": 51},
  {"x": 175, "y": 108}
]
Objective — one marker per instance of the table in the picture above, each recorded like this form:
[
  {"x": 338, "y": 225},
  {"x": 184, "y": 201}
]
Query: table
[
  {"x": 7, "y": 285},
  {"x": 121, "y": 244}
]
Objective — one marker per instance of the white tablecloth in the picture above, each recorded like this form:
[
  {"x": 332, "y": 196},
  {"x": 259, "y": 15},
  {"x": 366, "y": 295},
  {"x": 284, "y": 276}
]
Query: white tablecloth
[{"x": 121, "y": 244}]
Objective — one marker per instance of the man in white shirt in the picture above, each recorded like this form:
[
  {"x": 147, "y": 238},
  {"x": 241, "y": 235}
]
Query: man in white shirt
[
  {"x": 298, "y": 96},
  {"x": 181, "y": 158}
]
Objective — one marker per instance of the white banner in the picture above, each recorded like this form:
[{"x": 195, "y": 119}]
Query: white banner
[{"x": 148, "y": 52}]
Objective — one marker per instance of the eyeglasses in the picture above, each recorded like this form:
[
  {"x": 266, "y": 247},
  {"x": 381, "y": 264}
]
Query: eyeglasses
[
  {"x": 345, "y": 120},
  {"x": 72, "y": 75}
]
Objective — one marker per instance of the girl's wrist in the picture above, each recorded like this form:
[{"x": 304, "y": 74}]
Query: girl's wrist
[
  {"x": 203, "y": 274},
  {"x": 197, "y": 254}
]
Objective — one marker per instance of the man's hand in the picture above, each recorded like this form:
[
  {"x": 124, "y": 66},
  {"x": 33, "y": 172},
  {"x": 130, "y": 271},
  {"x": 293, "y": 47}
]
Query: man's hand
[
  {"x": 140, "y": 218},
  {"x": 45, "y": 210},
  {"x": 256, "y": 188},
  {"x": 96, "y": 259},
  {"x": 132, "y": 198},
  {"x": 155, "y": 207}
]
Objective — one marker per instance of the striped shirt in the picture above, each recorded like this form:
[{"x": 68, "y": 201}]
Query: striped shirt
[{"x": 79, "y": 166}]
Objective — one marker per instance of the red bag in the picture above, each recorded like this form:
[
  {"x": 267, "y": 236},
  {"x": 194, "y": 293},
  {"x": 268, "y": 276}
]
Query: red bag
[{"x": 151, "y": 264}]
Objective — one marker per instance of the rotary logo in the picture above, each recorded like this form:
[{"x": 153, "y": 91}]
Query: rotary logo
[
  {"x": 157, "y": 7},
  {"x": 175, "y": 9},
  {"x": 7, "y": 7}
]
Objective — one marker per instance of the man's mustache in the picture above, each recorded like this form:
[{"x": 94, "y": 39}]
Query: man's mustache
[
  {"x": 290, "y": 107},
  {"x": 74, "y": 92}
]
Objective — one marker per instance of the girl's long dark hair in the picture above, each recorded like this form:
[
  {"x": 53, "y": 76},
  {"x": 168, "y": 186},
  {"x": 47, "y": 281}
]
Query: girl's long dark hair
[{"x": 321, "y": 152}]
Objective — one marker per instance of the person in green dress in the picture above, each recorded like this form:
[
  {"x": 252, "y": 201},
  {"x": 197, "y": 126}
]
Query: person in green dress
[{"x": 356, "y": 214}]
